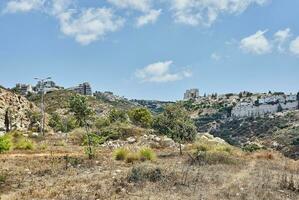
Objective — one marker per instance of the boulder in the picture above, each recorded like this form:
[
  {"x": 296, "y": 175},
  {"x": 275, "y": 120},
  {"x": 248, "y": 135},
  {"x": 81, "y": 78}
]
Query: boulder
[{"x": 131, "y": 140}]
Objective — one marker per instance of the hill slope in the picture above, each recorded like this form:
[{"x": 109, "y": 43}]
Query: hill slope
[{"x": 18, "y": 107}]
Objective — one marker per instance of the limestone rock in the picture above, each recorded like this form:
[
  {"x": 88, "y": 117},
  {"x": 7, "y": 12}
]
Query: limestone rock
[{"x": 18, "y": 107}]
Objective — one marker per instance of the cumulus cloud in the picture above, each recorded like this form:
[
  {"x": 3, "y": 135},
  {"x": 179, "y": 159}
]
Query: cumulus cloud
[
  {"x": 140, "y": 5},
  {"x": 205, "y": 12},
  {"x": 60, "y": 6},
  {"x": 90, "y": 24},
  {"x": 280, "y": 37},
  {"x": 84, "y": 25},
  {"x": 160, "y": 72},
  {"x": 145, "y": 6},
  {"x": 150, "y": 17},
  {"x": 294, "y": 46},
  {"x": 23, "y": 6},
  {"x": 256, "y": 43}
]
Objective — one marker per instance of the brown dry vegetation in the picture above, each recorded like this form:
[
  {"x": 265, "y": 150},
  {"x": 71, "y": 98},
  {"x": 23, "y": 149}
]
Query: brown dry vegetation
[{"x": 64, "y": 172}]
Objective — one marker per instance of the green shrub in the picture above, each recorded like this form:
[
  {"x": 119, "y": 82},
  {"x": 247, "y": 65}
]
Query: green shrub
[
  {"x": 144, "y": 173},
  {"x": 65, "y": 124},
  {"x": 120, "y": 154},
  {"x": 147, "y": 154},
  {"x": 60, "y": 143},
  {"x": 132, "y": 157},
  {"x": 24, "y": 144},
  {"x": 211, "y": 152},
  {"x": 2, "y": 178},
  {"x": 94, "y": 139},
  {"x": 102, "y": 122},
  {"x": 117, "y": 116},
  {"x": 5, "y": 143},
  {"x": 204, "y": 145},
  {"x": 141, "y": 117},
  {"x": 251, "y": 148}
]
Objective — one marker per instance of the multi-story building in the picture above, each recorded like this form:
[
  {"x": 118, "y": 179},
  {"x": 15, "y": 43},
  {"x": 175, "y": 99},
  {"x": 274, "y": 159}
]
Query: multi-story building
[
  {"x": 266, "y": 105},
  {"x": 48, "y": 86},
  {"x": 24, "y": 89},
  {"x": 191, "y": 94},
  {"x": 84, "y": 89}
]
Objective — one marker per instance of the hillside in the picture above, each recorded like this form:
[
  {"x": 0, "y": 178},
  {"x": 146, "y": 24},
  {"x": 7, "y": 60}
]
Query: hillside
[
  {"x": 58, "y": 101},
  {"x": 277, "y": 131},
  {"x": 17, "y": 108}
]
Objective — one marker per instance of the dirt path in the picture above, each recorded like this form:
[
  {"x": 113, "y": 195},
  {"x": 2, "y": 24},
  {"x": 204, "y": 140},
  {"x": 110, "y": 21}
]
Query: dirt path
[{"x": 37, "y": 155}]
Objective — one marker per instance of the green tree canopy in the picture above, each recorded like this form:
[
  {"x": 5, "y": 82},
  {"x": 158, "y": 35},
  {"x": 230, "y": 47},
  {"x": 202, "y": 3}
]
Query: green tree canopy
[
  {"x": 175, "y": 123},
  {"x": 82, "y": 112},
  {"x": 141, "y": 117},
  {"x": 117, "y": 116}
]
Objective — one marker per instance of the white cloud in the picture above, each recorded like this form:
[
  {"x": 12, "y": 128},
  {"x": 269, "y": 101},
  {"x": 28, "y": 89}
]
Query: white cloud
[
  {"x": 140, "y": 5},
  {"x": 160, "y": 72},
  {"x": 23, "y": 6},
  {"x": 150, "y": 17},
  {"x": 60, "y": 6},
  {"x": 215, "y": 56},
  {"x": 90, "y": 24},
  {"x": 280, "y": 37},
  {"x": 205, "y": 12},
  {"x": 294, "y": 46},
  {"x": 256, "y": 43}
]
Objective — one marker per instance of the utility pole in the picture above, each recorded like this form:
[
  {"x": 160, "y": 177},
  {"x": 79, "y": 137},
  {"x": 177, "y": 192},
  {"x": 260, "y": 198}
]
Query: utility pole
[{"x": 42, "y": 85}]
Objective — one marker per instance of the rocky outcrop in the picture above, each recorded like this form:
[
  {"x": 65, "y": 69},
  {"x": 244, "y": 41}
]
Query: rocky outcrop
[
  {"x": 13, "y": 111},
  {"x": 149, "y": 140}
]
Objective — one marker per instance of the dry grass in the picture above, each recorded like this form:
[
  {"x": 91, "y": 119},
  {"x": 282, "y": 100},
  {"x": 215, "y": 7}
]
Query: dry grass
[{"x": 63, "y": 176}]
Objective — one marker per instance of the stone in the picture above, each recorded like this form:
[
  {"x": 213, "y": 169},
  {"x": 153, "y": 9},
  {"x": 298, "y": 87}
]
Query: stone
[
  {"x": 35, "y": 134},
  {"x": 157, "y": 139},
  {"x": 131, "y": 140},
  {"x": 167, "y": 142}
]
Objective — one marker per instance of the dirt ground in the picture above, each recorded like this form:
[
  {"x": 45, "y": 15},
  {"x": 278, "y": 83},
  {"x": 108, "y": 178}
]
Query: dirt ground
[{"x": 65, "y": 173}]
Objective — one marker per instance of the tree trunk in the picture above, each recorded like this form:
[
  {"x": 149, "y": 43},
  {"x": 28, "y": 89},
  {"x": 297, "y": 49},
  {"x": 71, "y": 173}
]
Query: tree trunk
[
  {"x": 89, "y": 142},
  {"x": 6, "y": 121},
  {"x": 181, "y": 152}
]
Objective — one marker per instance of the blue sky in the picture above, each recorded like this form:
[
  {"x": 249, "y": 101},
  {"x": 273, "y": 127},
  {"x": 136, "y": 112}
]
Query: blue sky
[{"x": 152, "y": 49}]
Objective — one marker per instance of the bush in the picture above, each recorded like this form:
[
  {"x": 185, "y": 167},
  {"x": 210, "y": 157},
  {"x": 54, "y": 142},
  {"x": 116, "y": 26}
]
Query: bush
[
  {"x": 24, "y": 144},
  {"x": 94, "y": 139},
  {"x": 77, "y": 136},
  {"x": 58, "y": 123},
  {"x": 144, "y": 173},
  {"x": 132, "y": 157},
  {"x": 117, "y": 116},
  {"x": 147, "y": 154},
  {"x": 102, "y": 122},
  {"x": 176, "y": 124},
  {"x": 212, "y": 152},
  {"x": 120, "y": 154},
  {"x": 204, "y": 145},
  {"x": 213, "y": 158},
  {"x": 251, "y": 148},
  {"x": 141, "y": 117},
  {"x": 5, "y": 143},
  {"x": 2, "y": 178}
]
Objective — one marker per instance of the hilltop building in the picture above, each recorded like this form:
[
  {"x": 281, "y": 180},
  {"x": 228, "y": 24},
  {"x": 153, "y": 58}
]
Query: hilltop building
[
  {"x": 48, "y": 86},
  {"x": 108, "y": 96},
  {"x": 83, "y": 89},
  {"x": 266, "y": 105},
  {"x": 24, "y": 89},
  {"x": 191, "y": 94}
]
